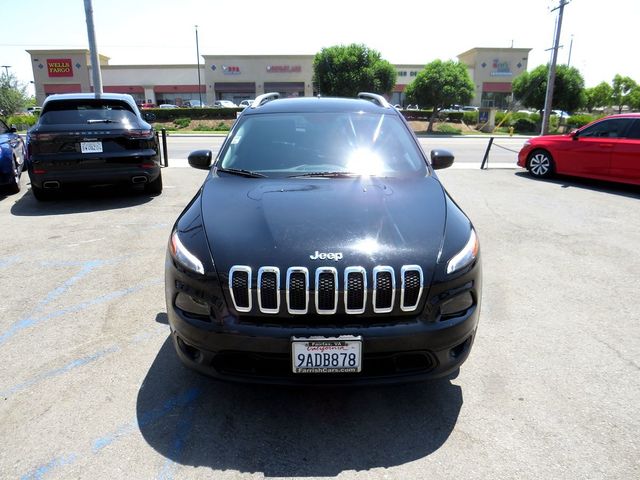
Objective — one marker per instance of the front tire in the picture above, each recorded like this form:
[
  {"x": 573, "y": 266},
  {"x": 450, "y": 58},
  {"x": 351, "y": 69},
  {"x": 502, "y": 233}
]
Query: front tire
[
  {"x": 155, "y": 187},
  {"x": 541, "y": 164},
  {"x": 14, "y": 186}
]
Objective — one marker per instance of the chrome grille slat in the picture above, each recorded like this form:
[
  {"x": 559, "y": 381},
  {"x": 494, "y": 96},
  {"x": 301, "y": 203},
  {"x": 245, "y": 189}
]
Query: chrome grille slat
[
  {"x": 269, "y": 289},
  {"x": 240, "y": 287},
  {"x": 355, "y": 290},
  {"x": 384, "y": 289},
  {"x": 297, "y": 290},
  {"x": 326, "y": 289},
  {"x": 411, "y": 288}
]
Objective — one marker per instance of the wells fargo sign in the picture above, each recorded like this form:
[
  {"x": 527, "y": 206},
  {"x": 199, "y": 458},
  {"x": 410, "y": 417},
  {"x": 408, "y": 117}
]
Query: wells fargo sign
[{"x": 59, "y": 67}]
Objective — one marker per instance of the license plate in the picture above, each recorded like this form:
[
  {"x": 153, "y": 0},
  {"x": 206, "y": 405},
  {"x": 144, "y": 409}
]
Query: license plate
[
  {"x": 91, "y": 147},
  {"x": 326, "y": 355}
]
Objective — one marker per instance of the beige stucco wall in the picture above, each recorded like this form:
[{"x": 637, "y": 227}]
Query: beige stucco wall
[
  {"x": 80, "y": 70},
  {"x": 259, "y": 69},
  {"x": 494, "y": 65}
]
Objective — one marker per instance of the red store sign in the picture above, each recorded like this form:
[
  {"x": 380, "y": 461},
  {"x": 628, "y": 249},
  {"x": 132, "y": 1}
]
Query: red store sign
[
  {"x": 284, "y": 69},
  {"x": 59, "y": 67}
]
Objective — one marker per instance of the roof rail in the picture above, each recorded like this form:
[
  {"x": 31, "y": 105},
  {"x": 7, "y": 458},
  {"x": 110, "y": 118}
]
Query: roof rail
[
  {"x": 264, "y": 98},
  {"x": 375, "y": 98}
]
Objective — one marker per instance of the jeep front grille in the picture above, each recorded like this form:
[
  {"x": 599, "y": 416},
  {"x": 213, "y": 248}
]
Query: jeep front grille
[{"x": 326, "y": 289}]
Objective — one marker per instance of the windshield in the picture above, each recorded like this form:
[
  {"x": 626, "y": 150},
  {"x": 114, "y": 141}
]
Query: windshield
[
  {"x": 297, "y": 144},
  {"x": 87, "y": 111}
]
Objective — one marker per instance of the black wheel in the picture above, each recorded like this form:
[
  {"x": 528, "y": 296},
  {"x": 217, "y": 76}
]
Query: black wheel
[
  {"x": 40, "y": 193},
  {"x": 155, "y": 187},
  {"x": 540, "y": 164},
  {"x": 14, "y": 186}
]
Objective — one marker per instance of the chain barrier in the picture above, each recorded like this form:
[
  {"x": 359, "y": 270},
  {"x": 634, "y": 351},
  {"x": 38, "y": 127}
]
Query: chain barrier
[{"x": 485, "y": 159}]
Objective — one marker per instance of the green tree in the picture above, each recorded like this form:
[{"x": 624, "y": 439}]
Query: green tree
[
  {"x": 598, "y": 96},
  {"x": 634, "y": 98},
  {"x": 13, "y": 95},
  {"x": 530, "y": 88},
  {"x": 346, "y": 70},
  {"x": 622, "y": 91},
  {"x": 439, "y": 85}
]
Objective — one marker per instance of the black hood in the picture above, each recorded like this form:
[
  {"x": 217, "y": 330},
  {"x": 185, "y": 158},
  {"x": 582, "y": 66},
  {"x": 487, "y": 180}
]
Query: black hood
[{"x": 282, "y": 222}]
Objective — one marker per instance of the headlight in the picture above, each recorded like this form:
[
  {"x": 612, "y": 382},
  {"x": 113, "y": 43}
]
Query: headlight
[
  {"x": 184, "y": 256},
  {"x": 465, "y": 256}
]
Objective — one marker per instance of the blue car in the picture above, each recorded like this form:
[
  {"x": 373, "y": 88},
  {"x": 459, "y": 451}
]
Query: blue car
[{"x": 12, "y": 158}]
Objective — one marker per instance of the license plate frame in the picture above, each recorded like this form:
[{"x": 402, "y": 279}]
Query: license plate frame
[
  {"x": 91, "y": 147},
  {"x": 322, "y": 355}
]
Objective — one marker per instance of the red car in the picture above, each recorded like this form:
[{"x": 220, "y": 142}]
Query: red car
[{"x": 606, "y": 149}]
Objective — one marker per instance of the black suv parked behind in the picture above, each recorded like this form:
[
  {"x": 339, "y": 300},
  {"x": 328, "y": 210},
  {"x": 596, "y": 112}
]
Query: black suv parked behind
[
  {"x": 322, "y": 248},
  {"x": 81, "y": 139}
]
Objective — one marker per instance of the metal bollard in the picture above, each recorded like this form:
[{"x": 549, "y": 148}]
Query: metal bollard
[
  {"x": 164, "y": 147},
  {"x": 485, "y": 160}
]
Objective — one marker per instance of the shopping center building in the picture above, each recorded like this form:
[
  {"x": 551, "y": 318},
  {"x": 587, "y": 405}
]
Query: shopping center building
[{"x": 239, "y": 77}]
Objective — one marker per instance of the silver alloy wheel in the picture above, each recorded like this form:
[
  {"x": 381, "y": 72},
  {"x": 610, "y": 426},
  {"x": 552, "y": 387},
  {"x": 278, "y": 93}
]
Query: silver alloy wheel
[{"x": 540, "y": 164}]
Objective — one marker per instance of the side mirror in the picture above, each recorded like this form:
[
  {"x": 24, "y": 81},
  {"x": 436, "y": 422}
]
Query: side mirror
[
  {"x": 151, "y": 117},
  {"x": 574, "y": 134},
  {"x": 441, "y": 159},
  {"x": 200, "y": 159}
]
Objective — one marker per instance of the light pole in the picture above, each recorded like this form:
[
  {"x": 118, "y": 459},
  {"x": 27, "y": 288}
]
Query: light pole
[
  {"x": 93, "y": 48},
  {"x": 198, "y": 54},
  {"x": 552, "y": 72}
]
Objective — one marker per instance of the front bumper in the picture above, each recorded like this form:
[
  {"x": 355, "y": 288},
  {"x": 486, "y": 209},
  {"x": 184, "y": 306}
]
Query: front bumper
[{"x": 395, "y": 350}]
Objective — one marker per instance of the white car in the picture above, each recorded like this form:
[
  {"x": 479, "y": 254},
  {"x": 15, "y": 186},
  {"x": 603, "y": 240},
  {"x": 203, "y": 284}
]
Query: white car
[
  {"x": 167, "y": 105},
  {"x": 224, "y": 104},
  {"x": 246, "y": 103}
]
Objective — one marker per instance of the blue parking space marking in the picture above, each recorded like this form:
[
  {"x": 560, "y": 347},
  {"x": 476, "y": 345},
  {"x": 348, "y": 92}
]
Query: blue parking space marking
[
  {"x": 180, "y": 401},
  {"x": 31, "y": 321},
  {"x": 57, "y": 462},
  {"x": 159, "y": 330},
  {"x": 183, "y": 430},
  {"x": 7, "y": 261},
  {"x": 80, "y": 362}
]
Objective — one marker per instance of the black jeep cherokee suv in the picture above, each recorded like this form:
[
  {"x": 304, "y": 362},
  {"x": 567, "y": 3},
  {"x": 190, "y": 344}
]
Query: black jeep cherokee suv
[{"x": 322, "y": 248}]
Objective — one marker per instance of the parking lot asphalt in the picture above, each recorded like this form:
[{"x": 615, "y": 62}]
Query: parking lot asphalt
[{"x": 90, "y": 386}]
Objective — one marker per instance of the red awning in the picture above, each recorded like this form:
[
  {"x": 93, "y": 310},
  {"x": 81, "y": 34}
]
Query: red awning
[
  {"x": 399, "y": 88},
  {"x": 50, "y": 88},
  {"x": 496, "y": 87},
  {"x": 178, "y": 89}
]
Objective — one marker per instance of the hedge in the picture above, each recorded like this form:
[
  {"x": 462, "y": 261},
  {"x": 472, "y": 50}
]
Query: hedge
[
  {"x": 577, "y": 121},
  {"x": 172, "y": 114},
  {"x": 22, "y": 122}
]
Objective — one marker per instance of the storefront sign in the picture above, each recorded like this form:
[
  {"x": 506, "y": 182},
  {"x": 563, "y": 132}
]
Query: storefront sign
[
  {"x": 230, "y": 69},
  {"x": 284, "y": 68},
  {"x": 501, "y": 69},
  {"x": 59, "y": 67}
]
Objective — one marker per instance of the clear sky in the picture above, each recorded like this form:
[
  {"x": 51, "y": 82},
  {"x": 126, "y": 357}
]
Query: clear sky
[{"x": 604, "y": 33}]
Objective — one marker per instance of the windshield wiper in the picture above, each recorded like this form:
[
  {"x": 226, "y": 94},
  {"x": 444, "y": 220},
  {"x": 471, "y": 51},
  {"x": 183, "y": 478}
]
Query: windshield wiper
[
  {"x": 326, "y": 174},
  {"x": 241, "y": 172},
  {"x": 100, "y": 120}
]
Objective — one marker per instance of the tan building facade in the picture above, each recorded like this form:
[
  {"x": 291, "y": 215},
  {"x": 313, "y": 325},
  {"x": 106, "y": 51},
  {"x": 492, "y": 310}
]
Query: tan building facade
[
  {"x": 493, "y": 71},
  {"x": 239, "y": 77}
]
